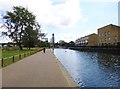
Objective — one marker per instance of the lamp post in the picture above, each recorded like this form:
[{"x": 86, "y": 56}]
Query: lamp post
[{"x": 53, "y": 39}]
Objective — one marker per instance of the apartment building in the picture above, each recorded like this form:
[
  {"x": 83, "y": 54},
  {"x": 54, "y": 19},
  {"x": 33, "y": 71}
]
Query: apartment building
[
  {"x": 83, "y": 41},
  {"x": 93, "y": 40},
  {"x": 109, "y": 35},
  {"x": 89, "y": 40}
]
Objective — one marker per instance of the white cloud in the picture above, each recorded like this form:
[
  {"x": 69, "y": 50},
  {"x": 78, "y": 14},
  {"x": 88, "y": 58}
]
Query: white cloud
[
  {"x": 60, "y": 15},
  {"x": 3, "y": 39},
  {"x": 67, "y": 37},
  {"x": 99, "y": 0},
  {"x": 0, "y": 17}
]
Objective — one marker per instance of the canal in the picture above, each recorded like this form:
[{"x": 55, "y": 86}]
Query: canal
[{"x": 91, "y": 69}]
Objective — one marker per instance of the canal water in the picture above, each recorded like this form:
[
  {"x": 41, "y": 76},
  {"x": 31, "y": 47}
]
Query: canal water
[{"x": 91, "y": 69}]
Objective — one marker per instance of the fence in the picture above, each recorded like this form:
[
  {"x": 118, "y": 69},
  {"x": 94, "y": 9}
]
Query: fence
[{"x": 15, "y": 58}]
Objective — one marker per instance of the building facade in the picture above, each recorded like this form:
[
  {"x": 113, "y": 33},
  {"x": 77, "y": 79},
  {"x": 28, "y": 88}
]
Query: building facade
[
  {"x": 109, "y": 35},
  {"x": 89, "y": 40},
  {"x": 83, "y": 41},
  {"x": 93, "y": 40}
]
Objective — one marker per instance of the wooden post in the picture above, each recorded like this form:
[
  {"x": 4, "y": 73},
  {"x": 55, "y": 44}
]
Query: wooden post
[
  {"x": 2, "y": 62},
  {"x": 20, "y": 56},
  {"x": 13, "y": 59},
  {"x": 24, "y": 54}
]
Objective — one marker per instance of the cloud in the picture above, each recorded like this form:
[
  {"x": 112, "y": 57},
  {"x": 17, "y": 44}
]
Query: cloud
[
  {"x": 99, "y": 0},
  {"x": 0, "y": 17},
  {"x": 3, "y": 39},
  {"x": 65, "y": 14},
  {"x": 67, "y": 37}
]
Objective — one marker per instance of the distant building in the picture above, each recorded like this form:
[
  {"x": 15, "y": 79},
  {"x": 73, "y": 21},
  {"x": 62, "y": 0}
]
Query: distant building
[
  {"x": 109, "y": 35},
  {"x": 77, "y": 42},
  {"x": 89, "y": 40},
  {"x": 83, "y": 41}
]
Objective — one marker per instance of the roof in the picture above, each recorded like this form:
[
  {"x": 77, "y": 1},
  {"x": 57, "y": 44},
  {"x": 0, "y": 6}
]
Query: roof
[
  {"x": 108, "y": 26},
  {"x": 92, "y": 34}
]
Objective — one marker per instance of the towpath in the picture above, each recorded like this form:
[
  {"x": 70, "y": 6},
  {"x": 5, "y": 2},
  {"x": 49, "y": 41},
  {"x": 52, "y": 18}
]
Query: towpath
[{"x": 38, "y": 70}]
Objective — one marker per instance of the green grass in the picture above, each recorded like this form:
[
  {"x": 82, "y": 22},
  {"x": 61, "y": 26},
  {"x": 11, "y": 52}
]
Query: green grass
[
  {"x": 7, "y": 55},
  {"x": 0, "y": 53},
  {"x": 13, "y": 52}
]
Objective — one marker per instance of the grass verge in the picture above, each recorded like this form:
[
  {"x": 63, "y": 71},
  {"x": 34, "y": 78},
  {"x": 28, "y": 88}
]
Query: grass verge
[{"x": 12, "y": 56}]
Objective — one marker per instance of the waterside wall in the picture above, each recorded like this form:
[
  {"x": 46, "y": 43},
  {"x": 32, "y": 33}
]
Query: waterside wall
[{"x": 113, "y": 50}]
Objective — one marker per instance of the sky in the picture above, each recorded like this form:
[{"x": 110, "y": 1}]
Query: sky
[{"x": 67, "y": 19}]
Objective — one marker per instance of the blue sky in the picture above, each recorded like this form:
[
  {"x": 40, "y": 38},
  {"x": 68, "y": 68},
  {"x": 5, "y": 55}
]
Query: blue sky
[
  {"x": 96, "y": 14},
  {"x": 69, "y": 19}
]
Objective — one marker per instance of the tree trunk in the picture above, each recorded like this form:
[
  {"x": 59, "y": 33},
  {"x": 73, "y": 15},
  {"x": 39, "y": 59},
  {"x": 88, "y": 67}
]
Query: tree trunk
[{"x": 19, "y": 46}]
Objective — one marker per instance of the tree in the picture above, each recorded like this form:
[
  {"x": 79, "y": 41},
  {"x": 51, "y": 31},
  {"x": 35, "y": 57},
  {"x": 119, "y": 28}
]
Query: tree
[
  {"x": 71, "y": 44},
  {"x": 62, "y": 43},
  {"x": 43, "y": 44},
  {"x": 30, "y": 38},
  {"x": 19, "y": 23}
]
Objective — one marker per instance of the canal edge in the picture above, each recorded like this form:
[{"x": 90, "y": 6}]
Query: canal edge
[{"x": 66, "y": 74}]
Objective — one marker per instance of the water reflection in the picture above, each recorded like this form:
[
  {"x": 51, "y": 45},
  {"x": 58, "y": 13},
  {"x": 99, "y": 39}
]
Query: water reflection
[
  {"x": 91, "y": 69},
  {"x": 109, "y": 60}
]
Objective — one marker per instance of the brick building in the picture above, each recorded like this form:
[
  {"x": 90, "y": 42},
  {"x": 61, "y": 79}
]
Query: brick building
[
  {"x": 109, "y": 35},
  {"x": 89, "y": 40},
  {"x": 93, "y": 40}
]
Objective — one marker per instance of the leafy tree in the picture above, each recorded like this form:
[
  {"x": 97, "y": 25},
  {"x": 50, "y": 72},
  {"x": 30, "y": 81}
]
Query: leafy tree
[
  {"x": 30, "y": 38},
  {"x": 71, "y": 44},
  {"x": 20, "y": 24},
  {"x": 43, "y": 44},
  {"x": 62, "y": 43}
]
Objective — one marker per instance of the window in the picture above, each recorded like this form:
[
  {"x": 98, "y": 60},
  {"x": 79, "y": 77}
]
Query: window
[
  {"x": 99, "y": 40},
  {"x": 108, "y": 33},
  {"x": 99, "y": 34},
  {"x": 115, "y": 38},
  {"x": 105, "y": 34},
  {"x": 105, "y": 39},
  {"x": 102, "y": 40},
  {"x": 109, "y": 38}
]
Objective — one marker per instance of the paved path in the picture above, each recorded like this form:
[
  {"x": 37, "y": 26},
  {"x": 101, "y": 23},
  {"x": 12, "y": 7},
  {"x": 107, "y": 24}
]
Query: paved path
[{"x": 38, "y": 70}]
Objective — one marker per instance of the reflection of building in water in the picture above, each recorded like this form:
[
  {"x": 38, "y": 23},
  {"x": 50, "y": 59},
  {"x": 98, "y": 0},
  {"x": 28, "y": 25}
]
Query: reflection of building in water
[
  {"x": 89, "y": 40},
  {"x": 109, "y": 35},
  {"x": 108, "y": 60}
]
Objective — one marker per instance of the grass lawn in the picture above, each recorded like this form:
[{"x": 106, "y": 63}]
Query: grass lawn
[
  {"x": 8, "y": 55},
  {"x": 0, "y": 53}
]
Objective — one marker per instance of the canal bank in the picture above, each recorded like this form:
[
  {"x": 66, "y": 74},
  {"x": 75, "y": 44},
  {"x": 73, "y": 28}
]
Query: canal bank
[
  {"x": 38, "y": 70},
  {"x": 112, "y": 50},
  {"x": 69, "y": 78}
]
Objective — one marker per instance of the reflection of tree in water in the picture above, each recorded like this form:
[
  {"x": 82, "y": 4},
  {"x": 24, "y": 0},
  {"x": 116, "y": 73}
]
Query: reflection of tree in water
[{"x": 109, "y": 60}]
